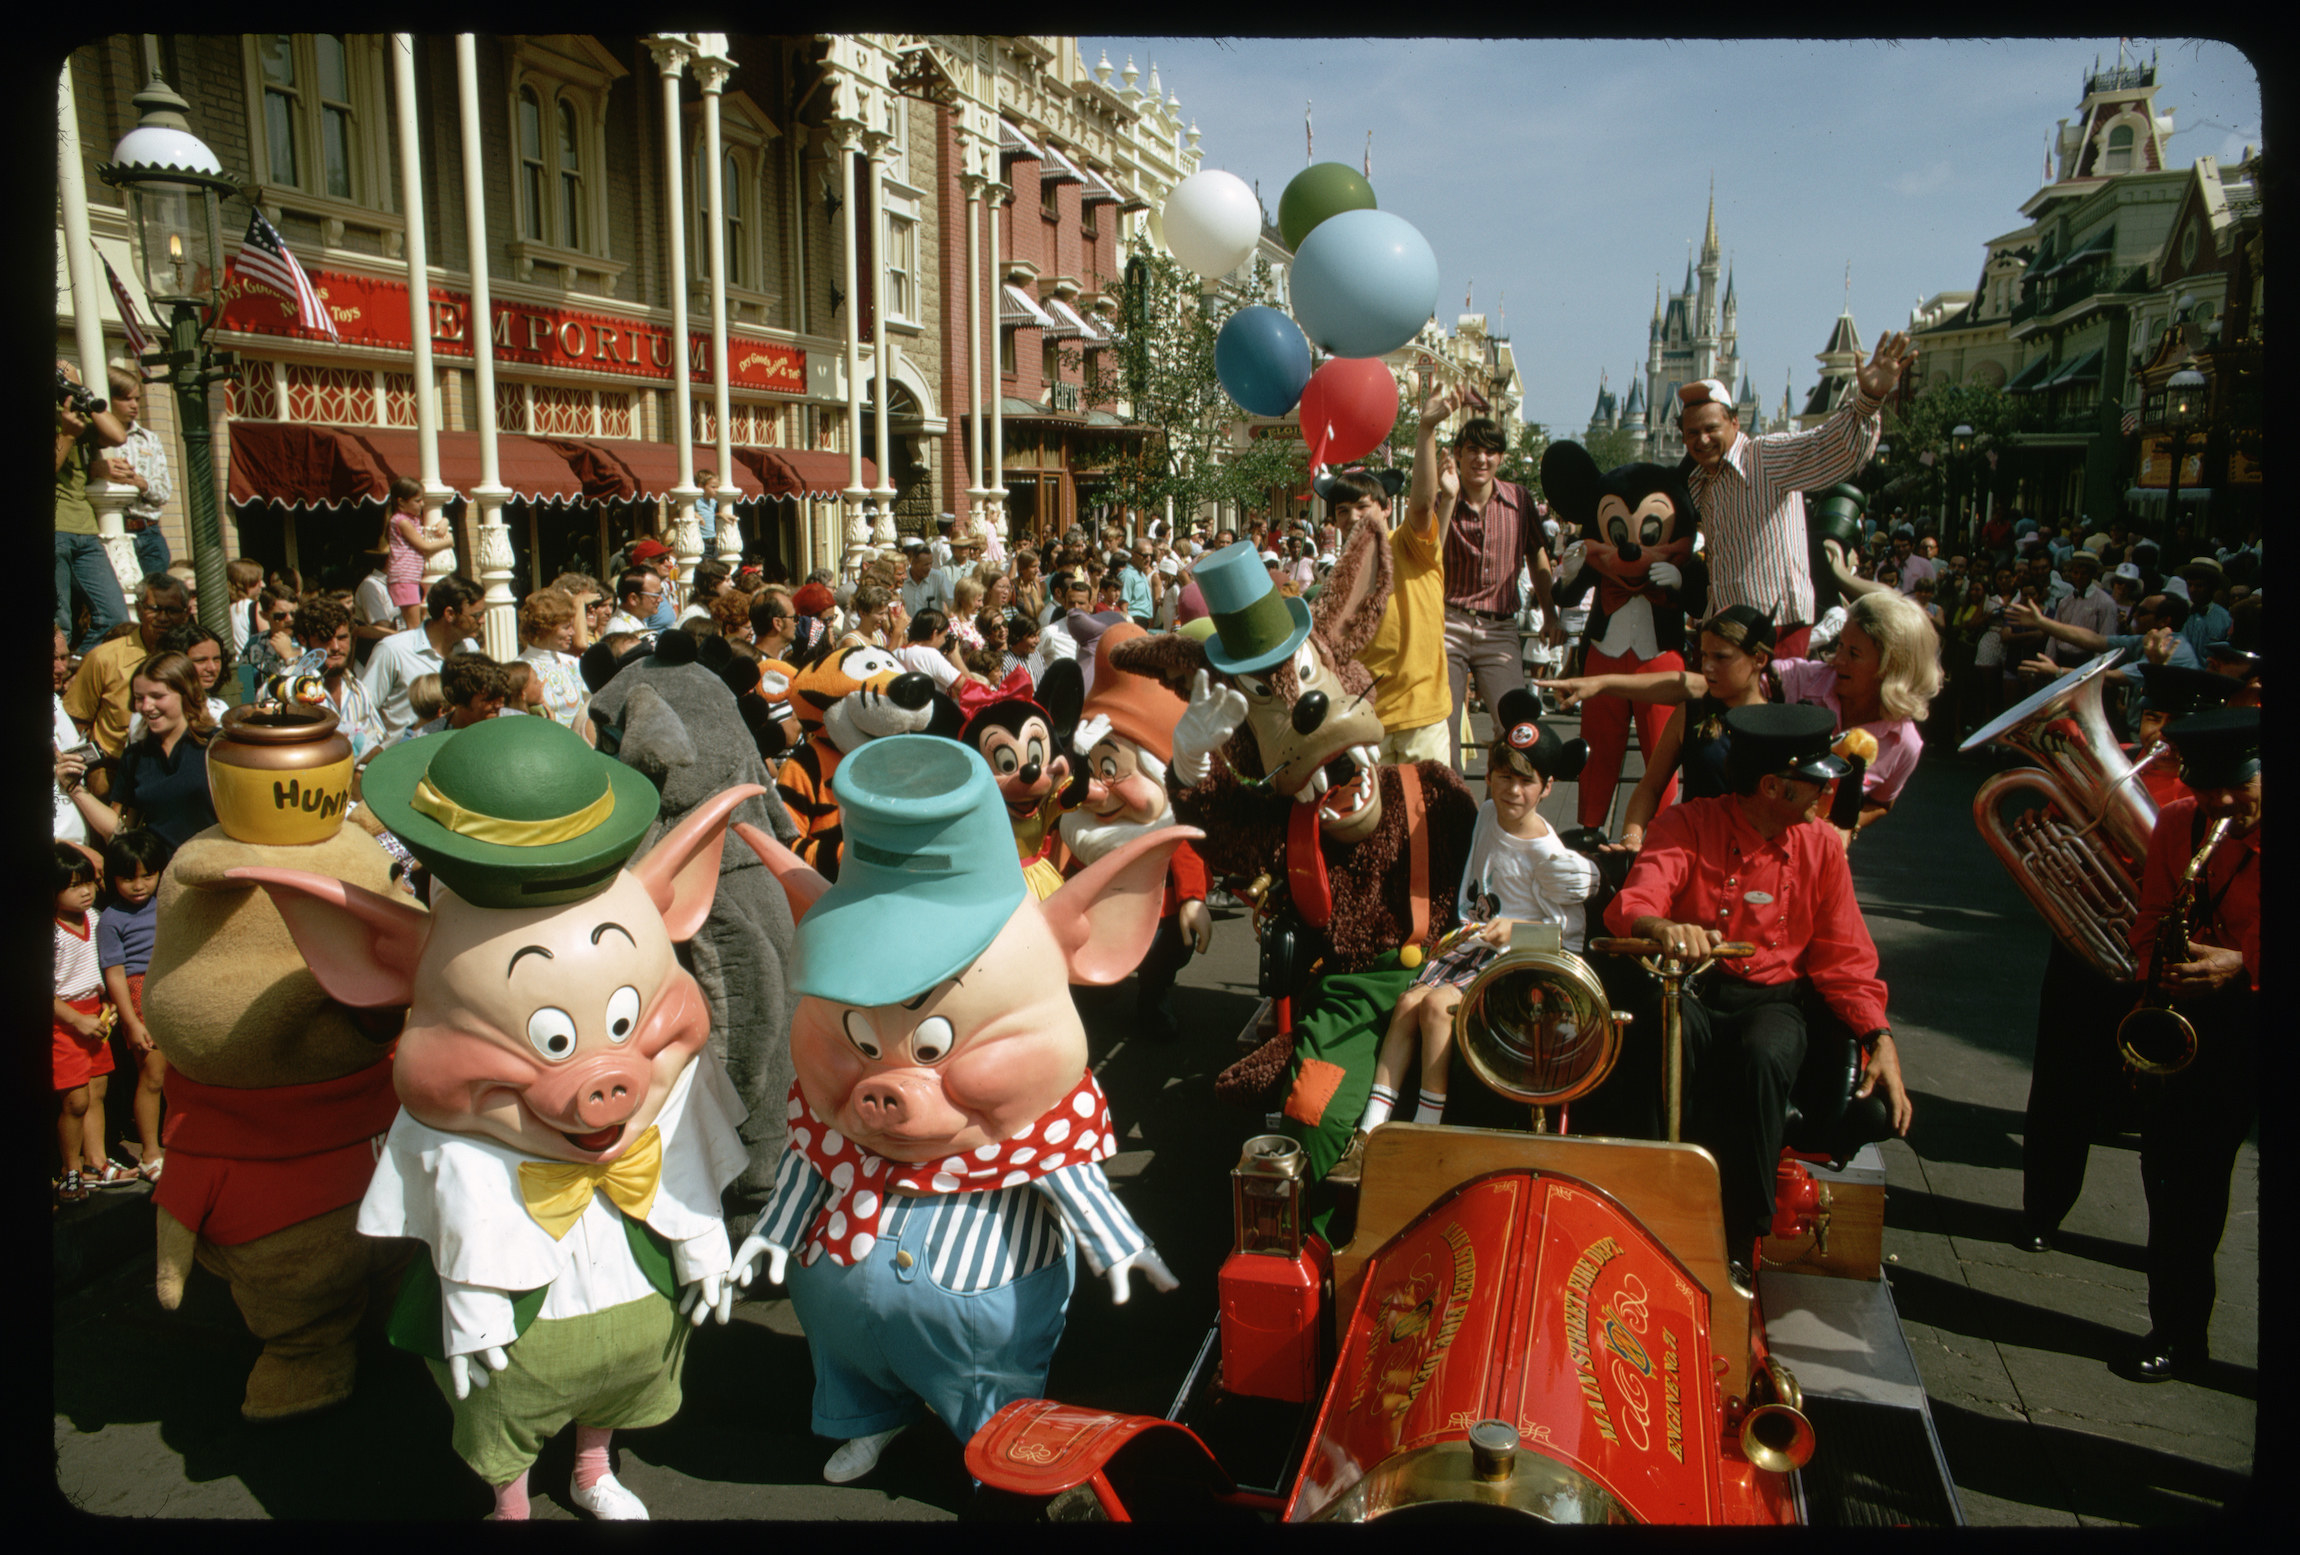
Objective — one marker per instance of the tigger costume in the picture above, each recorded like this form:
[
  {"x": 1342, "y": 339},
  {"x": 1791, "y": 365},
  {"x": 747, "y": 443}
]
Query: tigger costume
[{"x": 853, "y": 693}]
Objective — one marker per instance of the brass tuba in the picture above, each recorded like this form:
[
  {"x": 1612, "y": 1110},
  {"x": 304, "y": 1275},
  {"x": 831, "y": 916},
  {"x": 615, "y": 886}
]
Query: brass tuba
[
  {"x": 2077, "y": 855},
  {"x": 2156, "y": 1039}
]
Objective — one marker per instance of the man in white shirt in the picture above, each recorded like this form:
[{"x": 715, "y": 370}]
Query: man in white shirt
[
  {"x": 453, "y": 611},
  {"x": 141, "y": 462},
  {"x": 926, "y": 587},
  {"x": 637, "y": 593},
  {"x": 377, "y": 617},
  {"x": 2087, "y": 605}
]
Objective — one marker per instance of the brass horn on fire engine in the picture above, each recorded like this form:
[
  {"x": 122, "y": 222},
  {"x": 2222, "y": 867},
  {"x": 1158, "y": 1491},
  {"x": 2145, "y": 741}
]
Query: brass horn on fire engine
[
  {"x": 1777, "y": 1436},
  {"x": 1535, "y": 1024}
]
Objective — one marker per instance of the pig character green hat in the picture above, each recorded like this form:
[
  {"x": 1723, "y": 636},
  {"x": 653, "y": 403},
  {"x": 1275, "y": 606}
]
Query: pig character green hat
[{"x": 512, "y": 812}]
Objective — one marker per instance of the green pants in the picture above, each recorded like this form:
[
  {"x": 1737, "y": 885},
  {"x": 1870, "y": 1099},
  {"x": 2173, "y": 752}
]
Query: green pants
[
  {"x": 1342, "y": 1025},
  {"x": 617, "y": 1369}
]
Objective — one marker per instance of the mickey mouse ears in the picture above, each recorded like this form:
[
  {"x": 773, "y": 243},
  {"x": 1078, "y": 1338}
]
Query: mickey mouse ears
[{"x": 1393, "y": 481}]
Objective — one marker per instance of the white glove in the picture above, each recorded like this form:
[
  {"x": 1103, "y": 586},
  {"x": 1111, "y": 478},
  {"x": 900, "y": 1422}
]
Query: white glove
[
  {"x": 1153, "y": 1269},
  {"x": 1665, "y": 575},
  {"x": 1206, "y": 725},
  {"x": 1569, "y": 566},
  {"x": 465, "y": 1376},
  {"x": 747, "y": 1259},
  {"x": 1089, "y": 734},
  {"x": 713, "y": 1295}
]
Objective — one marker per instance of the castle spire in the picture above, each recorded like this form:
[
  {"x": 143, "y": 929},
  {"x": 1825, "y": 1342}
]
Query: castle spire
[{"x": 1709, "y": 239}]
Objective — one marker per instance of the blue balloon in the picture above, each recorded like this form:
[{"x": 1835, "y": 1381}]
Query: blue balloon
[
  {"x": 1364, "y": 283},
  {"x": 1262, "y": 360}
]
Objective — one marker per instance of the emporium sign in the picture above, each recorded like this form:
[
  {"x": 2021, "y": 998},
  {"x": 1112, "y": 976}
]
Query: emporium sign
[{"x": 373, "y": 314}]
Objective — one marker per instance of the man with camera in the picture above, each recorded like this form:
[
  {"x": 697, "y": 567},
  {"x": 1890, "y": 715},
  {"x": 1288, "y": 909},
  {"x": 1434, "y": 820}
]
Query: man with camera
[{"x": 84, "y": 424}]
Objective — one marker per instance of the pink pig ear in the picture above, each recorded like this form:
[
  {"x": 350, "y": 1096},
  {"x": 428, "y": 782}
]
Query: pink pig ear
[
  {"x": 681, "y": 872},
  {"x": 801, "y": 884},
  {"x": 361, "y": 946},
  {"x": 1105, "y": 916}
]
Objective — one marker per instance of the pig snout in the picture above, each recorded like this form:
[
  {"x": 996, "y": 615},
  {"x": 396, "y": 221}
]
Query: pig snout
[
  {"x": 880, "y": 1103},
  {"x": 598, "y": 1093}
]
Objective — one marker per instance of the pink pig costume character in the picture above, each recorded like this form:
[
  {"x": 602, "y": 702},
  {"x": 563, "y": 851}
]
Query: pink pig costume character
[
  {"x": 564, "y": 1131},
  {"x": 946, "y": 1134}
]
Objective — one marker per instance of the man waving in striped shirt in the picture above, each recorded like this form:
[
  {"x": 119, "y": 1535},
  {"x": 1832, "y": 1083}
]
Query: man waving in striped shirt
[{"x": 1751, "y": 489}]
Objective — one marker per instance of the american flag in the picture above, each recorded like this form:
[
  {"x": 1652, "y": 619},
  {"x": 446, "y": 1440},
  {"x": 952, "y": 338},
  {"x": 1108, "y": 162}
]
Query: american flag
[
  {"x": 2131, "y": 422},
  {"x": 130, "y": 324},
  {"x": 265, "y": 258}
]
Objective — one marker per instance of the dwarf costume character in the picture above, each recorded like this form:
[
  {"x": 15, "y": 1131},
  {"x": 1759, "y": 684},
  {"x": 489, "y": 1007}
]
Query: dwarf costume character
[
  {"x": 1125, "y": 738},
  {"x": 1636, "y": 526},
  {"x": 565, "y": 1132},
  {"x": 946, "y": 1135}
]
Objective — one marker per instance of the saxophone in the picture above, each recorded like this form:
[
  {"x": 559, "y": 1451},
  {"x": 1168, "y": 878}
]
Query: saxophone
[{"x": 2156, "y": 1039}]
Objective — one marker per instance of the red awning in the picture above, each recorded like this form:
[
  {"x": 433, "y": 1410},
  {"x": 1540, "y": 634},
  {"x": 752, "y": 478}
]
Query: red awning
[
  {"x": 302, "y": 466},
  {"x": 651, "y": 470},
  {"x": 532, "y": 467},
  {"x": 801, "y": 472}
]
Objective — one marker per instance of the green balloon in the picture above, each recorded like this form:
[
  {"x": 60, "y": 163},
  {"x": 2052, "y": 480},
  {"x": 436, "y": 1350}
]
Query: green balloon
[{"x": 1320, "y": 190}]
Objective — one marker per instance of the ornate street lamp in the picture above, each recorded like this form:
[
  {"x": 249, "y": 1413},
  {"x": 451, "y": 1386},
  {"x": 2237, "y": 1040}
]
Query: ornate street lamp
[
  {"x": 1960, "y": 451},
  {"x": 173, "y": 182},
  {"x": 2183, "y": 400}
]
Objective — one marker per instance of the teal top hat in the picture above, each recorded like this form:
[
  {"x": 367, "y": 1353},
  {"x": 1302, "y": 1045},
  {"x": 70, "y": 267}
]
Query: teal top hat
[
  {"x": 927, "y": 878},
  {"x": 513, "y": 812},
  {"x": 1255, "y": 626}
]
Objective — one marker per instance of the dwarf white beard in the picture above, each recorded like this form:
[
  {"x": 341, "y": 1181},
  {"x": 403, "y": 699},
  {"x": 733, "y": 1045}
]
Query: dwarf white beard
[{"x": 1090, "y": 838}]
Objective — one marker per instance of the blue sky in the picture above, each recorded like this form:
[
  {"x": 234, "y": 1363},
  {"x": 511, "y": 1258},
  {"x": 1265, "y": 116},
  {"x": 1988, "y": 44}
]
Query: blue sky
[{"x": 1556, "y": 178}]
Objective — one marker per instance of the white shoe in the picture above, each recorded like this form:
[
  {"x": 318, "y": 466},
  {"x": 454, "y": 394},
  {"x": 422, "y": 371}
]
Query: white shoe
[
  {"x": 608, "y": 1501},
  {"x": 856, "y": 1458}
]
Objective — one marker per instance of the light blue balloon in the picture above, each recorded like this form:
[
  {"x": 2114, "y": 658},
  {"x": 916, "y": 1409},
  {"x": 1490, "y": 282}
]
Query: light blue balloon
[
  {"x": 1364, "y": 283},
  {"x": 1262, "y": 360}
]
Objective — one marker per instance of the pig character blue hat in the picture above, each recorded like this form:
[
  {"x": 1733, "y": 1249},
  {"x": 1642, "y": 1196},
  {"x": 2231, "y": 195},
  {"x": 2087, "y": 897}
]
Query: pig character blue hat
[
  {"x": 1255, "y": 626},
  {"x": 927, "y": 878}
]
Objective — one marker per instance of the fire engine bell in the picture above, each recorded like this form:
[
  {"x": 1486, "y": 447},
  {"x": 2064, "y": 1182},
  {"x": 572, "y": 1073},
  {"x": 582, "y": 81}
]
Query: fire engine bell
[{"x": 1273, "y": 1283}]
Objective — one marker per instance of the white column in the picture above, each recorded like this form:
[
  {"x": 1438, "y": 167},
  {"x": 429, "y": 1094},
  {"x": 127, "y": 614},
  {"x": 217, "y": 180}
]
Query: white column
[
  {"x": 880, "y": 229},
  {"x": 997, "y": 391},
  {"x": 975, "y": 488},
  {"x": 435, "y": 495},
  {"x": 852, "y": 497},
  {"x": 712, "y": 67},
  {"x": 494, "y": 541},
  {"x": 110, "y": 499},
  {"x": 671, "y": 56}
]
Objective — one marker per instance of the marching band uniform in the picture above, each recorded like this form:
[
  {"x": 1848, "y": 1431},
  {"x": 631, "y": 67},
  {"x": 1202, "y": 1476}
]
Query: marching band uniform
[
  {"x": 2075, "y": 1081},
  {"x": 2196, "y": 1123}
]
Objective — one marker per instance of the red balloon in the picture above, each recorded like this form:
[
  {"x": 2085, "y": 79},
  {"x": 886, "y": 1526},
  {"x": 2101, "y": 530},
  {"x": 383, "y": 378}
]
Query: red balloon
[{"x": 1348, "y": 407}]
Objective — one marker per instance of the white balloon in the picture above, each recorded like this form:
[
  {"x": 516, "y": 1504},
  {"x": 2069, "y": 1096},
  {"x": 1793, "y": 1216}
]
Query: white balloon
[{"x": 1212, "y": 222}]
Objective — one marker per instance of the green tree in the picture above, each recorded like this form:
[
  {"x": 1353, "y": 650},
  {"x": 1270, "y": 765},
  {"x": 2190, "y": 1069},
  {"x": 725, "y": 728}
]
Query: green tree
[
  {"x": 1613, "y": 448},
  {"x": 1925, "y": 426},
  {"x": 1522, "y": 464},
  {"x": 1163, "y": 370}
]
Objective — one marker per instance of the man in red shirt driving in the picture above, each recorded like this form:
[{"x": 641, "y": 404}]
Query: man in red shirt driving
[{"x": 1760, "y": 865}]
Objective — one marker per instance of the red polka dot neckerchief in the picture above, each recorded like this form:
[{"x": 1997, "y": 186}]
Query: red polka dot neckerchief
[{"x": 862, "y": 1184}]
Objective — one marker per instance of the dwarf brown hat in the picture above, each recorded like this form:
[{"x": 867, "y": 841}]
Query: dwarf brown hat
[{"x": 1139, "y": 708}]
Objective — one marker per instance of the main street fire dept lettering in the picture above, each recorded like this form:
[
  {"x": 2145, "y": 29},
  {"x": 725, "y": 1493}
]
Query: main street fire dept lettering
[
  {"x": 1585, "y": 1269},
  {"x": 1408, "y": 1359},
  {"x": 1673, "y": 1411}
]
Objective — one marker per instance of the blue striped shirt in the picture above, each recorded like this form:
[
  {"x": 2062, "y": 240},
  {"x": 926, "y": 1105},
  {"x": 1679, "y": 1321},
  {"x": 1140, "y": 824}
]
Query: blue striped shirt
[{"x": 974, "y": 1242}]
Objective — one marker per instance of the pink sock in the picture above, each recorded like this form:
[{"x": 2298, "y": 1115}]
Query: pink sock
[
  {"x": 511, "y": 1500},
  {"x": 591, "y": 1464}
]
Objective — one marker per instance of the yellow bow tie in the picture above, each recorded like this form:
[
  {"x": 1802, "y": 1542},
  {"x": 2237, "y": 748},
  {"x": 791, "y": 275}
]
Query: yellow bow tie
[{"x": 558, "y": 1192}]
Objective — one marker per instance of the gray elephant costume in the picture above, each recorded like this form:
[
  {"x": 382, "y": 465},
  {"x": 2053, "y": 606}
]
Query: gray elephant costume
[{"x": 679, "y": 724}]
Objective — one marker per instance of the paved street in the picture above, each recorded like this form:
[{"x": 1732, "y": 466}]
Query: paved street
[{"x": 2012, "y": 1346}]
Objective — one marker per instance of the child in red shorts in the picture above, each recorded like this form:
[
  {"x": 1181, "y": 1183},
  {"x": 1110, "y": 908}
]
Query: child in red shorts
[
  {"x": 82, "y": 1058},
  {"x": 133, "y": 861}
]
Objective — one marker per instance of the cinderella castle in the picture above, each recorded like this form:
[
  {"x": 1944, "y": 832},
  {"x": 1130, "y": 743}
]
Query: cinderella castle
[{"x": 1688, "y": 341}]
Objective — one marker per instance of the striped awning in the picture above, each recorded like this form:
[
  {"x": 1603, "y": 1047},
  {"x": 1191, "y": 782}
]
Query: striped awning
[
  {"x": 1098, "y": 190},
  {"x": 300, "y": 465},
  {"x": 2084, "y": 369},
  {"x": 813, "y": 473},
  {"x": 534, "y": 468},
  {"x": 1059, "y": 169},
  {"x": 1070, "y": 322},
  {"x": 1013, "y": 143},
  {"x": 1129, "y": 198},
  {"x": 2031, "y": 377},
  {"x": 1017, "y": 310}
]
